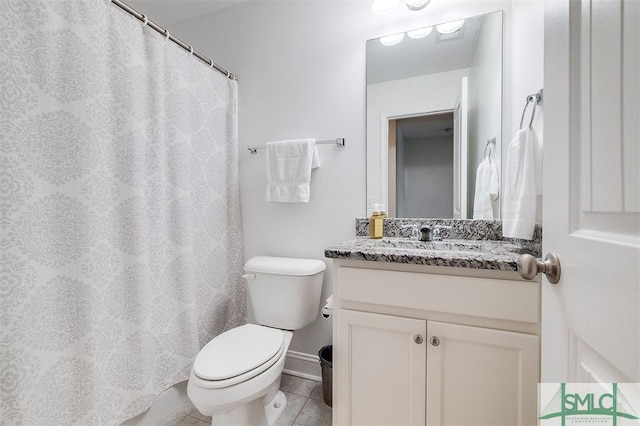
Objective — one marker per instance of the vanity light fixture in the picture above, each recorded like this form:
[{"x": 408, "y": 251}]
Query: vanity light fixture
[
  {"x": 420, "y": 32},
  {"x": 450, "y": 27},
  {"x": 382, "y": 7},
  {"x": 392, "y": 39},
  {"x": 417, "y": 4}
]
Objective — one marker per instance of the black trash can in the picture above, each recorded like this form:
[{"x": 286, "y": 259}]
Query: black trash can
[{"x": 326, "y": 364}]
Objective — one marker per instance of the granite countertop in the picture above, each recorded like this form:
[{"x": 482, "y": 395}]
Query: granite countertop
[{"x": 498, "y": 255}]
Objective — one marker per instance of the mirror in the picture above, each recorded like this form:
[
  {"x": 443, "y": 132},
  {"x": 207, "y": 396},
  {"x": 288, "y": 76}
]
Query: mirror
[{"x": 434, "y": 114}]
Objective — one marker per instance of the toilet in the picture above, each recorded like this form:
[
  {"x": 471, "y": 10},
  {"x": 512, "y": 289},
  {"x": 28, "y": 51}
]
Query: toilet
[{"x": 236, "y": 377}]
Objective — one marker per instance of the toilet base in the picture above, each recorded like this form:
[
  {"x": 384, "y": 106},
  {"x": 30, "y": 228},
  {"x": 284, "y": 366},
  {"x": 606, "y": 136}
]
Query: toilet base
[
  {"x": 265, "y": 411},
  {"x": 275, "y": 408}
]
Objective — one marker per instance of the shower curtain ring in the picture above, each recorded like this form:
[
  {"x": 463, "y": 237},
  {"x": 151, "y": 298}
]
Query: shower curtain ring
[
  {"x": 228, "y": 74},
  {"x": 191, "y": 49},
  {"x": 211, "y": 64},
  {"x": 145, "y": 21},
  {"x": 166, "y": 34}
]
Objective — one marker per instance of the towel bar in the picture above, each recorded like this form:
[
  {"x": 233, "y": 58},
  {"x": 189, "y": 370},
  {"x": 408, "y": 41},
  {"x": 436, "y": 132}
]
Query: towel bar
[{"x": 338, "y": 141}]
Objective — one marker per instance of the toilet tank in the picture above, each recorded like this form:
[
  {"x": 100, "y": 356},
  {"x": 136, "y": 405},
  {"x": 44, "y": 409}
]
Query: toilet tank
[{"x": 285, "y": 292}]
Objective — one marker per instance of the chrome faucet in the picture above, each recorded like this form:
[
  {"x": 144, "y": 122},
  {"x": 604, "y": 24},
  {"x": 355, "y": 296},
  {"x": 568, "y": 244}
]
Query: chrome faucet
[
  {"x": 437, "y": 232},
  {"x": 415, "y": 233}
]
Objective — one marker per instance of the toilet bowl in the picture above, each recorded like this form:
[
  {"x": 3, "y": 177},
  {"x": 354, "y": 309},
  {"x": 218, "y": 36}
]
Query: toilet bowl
[
  {"x": 236, "y": 377},
  {"x": 251, "y": 397}
]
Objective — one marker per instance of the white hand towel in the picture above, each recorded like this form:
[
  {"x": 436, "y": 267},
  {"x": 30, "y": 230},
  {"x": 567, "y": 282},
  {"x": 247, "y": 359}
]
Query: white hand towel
[
  {"x": 537, "y": 158},
  {"x": 289, "y": 165},
  {"x": 519, "y": 206},
  {"x": 487, "y": 189}
]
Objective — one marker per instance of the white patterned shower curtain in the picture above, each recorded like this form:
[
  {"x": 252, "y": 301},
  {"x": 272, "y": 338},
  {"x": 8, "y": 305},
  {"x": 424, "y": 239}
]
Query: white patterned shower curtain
[{"x": 121, "y": 234}]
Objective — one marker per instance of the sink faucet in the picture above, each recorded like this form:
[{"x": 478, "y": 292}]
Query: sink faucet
[
  {"x": 425, "y": 234},
  {"x": 437, "y": 232},
  {"x": 415, "y": 234}
]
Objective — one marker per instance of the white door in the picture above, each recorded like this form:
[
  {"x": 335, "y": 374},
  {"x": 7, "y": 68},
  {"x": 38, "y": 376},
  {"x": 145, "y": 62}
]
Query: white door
[
  {"x": 591, "y": 318},
  {"x": 383, "y": 377},
  {"x": 460, "y": 143},
  {"x": 480, "y": 376}
]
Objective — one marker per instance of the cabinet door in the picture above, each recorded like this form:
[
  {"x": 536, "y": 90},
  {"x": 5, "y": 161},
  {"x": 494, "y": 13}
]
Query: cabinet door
[
  {"x": 480, "y": 376},
  {"x": 379, "y": 369}
]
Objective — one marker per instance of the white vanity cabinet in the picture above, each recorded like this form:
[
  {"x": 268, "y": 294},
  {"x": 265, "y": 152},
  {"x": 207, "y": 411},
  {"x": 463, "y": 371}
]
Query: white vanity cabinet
[
  {"x": 416, "y": 345},
  {"x": 380, "y": 370}
]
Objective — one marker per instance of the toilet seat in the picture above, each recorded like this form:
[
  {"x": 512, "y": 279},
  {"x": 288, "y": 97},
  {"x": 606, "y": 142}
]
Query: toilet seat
[{"x": 238, "y": 355}]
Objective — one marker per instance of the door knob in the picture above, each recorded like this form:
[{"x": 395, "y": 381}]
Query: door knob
[
  {"x": 529, "y": 267},
  {"x": 435, "y": 341},
  {"x": 418, "y": 339}
]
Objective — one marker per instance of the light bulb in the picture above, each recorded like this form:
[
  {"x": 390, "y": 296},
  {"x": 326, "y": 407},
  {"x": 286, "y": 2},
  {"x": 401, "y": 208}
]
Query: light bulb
[
  {"x": 384, "y": 6},
  {"x": 450, "y": 27},
  {"x": 391, "y": 40},
  {"x": 420, "y": 32},
  {"x": 417, "y": 4}
]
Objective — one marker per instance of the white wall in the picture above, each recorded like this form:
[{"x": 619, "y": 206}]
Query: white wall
[
  {"x": 301, "y": 66},
  {"x": 427, "y": 93},
  {"x": 485, "y": 79},
  {"x": 528, "y": 68},
  {"x": 302, "y": 74}
]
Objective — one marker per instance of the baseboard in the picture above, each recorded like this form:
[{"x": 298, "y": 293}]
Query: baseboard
[{"x": 303, "y": 365}]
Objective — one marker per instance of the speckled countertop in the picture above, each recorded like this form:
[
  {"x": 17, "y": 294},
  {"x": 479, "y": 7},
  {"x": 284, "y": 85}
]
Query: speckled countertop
[{"x": 480, "y": 251}]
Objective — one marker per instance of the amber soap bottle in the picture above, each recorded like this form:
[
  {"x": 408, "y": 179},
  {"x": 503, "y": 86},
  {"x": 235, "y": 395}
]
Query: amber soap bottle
[{"x": 376, "y": 222}]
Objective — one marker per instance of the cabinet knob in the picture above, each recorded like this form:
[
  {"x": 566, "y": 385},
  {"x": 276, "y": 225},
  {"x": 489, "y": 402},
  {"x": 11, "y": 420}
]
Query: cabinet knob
[
  {"x": 418, "y": 339},
  {"x": 434, "y": 341}
]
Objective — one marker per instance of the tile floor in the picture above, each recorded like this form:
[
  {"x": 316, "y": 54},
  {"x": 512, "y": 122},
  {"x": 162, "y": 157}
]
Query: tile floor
[{"x": 305, "y": 406}]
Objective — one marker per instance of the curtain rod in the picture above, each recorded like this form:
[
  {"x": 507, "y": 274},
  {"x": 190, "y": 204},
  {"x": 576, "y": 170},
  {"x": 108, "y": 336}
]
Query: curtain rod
[{"x": 143, "y": 18}]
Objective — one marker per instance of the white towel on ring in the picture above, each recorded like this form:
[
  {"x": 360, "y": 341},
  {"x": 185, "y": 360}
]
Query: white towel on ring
[
  {"x": 289, "y": 165},
  {"x": 487, "y": 189},
  {"x": 521, "y": 184}
]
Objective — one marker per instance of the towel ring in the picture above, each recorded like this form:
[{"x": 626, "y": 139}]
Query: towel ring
[
  {"x": 530, "y": 100},
  {"x": 491, "y": 143}
]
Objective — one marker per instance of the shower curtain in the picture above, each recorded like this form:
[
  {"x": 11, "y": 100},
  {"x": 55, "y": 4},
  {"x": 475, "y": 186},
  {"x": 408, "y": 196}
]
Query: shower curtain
[{"x": 119, "y": 207}]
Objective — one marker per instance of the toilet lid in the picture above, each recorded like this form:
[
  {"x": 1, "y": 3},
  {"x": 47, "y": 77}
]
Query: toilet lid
[{"x": 237, "y": 351}]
